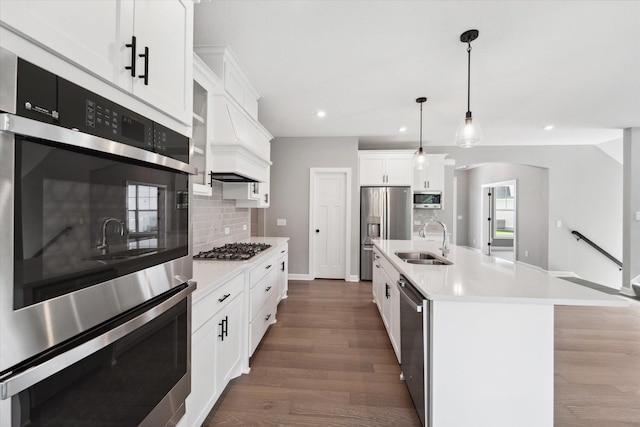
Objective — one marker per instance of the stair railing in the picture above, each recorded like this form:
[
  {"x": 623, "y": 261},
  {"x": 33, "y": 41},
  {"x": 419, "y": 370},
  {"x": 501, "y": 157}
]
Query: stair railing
[{"x": 580, "y": 236}]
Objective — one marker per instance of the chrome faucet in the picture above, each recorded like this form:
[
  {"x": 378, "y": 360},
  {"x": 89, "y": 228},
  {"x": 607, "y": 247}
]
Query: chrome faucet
[
  {"x": 102, "y": 239},
  {"x": 444, "y": 248}
]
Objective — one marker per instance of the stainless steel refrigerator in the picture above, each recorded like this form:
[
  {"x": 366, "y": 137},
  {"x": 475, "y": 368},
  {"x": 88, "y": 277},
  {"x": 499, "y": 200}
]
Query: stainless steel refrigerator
[{"x": 384, "y": 212}]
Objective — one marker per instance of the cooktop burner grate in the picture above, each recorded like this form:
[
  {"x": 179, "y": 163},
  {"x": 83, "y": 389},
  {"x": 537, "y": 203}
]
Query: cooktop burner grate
[{"x": 233, "y": 252}]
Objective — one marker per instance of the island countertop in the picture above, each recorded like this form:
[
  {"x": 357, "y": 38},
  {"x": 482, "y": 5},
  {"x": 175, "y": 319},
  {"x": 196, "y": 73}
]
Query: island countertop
[{"x": 474, "y": 276}]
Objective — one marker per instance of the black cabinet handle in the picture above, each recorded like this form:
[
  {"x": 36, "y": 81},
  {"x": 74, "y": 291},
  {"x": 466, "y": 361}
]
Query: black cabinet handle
[
  {"x": 317, "y": 231},
  {"x": 266, "y": 198},
  {"x": 224, "y": 297},
  {"x": 268, "y": 316},
  {"x": 282, "y": 269},
  {"x": 224, "y": 331},
  {"x": 132, "y": 67},
  {"x": 268, "y": 289},
  {"x": 386, "y": 291},
  {"x": 145, "y": 76},
  {"x": 268, "y": 267}
]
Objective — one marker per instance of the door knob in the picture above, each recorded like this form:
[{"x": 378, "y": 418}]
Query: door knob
[{"x": 317, "y": 231}]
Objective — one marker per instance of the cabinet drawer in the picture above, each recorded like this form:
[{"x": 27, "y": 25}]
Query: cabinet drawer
[
  {"x": 261, "y": 270},
  {"x": 217, "y": 299},
  {"x": 391, "y": 271},
  {"x": 259, "y": 325},
  {"x": 261, "y": 293}
]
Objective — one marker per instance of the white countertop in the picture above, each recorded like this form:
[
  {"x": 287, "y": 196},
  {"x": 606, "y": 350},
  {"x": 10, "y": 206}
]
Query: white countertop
[
  {"x": 211, "y": 273},
  {"x": 477, "y": 277}
]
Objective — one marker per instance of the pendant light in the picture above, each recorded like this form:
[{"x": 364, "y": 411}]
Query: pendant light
[
  {"x": 420, "y": 159},
  {"x": 468, "y": 133}
]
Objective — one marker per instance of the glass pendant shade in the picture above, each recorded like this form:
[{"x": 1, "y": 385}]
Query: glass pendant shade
[
  {"x": 468, "y": 133},
  {"x": 420, "y": 159}
]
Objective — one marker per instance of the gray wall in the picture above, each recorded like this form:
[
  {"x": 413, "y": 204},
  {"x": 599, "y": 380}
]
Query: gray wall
[
  {"x": 532, "y": 212},
  {"x": 585, "y": 194},
  {"x": 292, "y": 158}
]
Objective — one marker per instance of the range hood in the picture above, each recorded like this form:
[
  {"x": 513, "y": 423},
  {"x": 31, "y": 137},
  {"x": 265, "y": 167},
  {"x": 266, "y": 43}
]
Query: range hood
[
  {"x": 240, "y": 146},
  {"x": 240, "y": 149}
]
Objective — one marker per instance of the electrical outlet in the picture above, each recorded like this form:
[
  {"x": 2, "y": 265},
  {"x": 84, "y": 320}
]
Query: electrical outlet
[
  {"x": 227, "y": 230},
  {"x": 558, "y": 223},
  {"x": 244, "y": 227},
  {"x": 417, "y": 223},
  {"x": 526, "y": 254},
  {"x": 281, "y": 222}
]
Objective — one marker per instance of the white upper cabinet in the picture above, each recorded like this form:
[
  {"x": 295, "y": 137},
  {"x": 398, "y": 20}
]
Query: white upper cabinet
[
  {"x": 94, "y": 35},
  {"x": 381, "y": 168},
  {"x": 205, "y": 84},
  {"x": 432, "y": 176},
  {"x": 165, "y": 31}
]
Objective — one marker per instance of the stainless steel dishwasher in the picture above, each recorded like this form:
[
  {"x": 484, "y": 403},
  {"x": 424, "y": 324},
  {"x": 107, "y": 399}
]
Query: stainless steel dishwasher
[{"x": 414, "y": 354}]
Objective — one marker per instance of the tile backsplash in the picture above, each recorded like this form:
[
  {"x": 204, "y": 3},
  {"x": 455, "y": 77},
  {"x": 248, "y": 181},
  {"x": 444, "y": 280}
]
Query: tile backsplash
[{"x": 211, "y": 215}]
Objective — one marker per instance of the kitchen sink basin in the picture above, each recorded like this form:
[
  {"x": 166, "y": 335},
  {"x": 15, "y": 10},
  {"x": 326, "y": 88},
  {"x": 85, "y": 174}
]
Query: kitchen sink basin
[
  {"x": 423, "y": 258},
  {"x": 428, "y": 261},
  {"x": 130, "y": 253}
]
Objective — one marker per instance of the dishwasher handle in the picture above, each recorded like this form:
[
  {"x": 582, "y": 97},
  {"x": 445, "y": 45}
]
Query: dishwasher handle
[{"x": 403, "y": 286}]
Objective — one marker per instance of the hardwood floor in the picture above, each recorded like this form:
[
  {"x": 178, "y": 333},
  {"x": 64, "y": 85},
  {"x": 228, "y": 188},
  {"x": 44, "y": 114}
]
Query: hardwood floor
[
  {"x": 597, "y": 367},
  {"x": 328, "y": 362}
]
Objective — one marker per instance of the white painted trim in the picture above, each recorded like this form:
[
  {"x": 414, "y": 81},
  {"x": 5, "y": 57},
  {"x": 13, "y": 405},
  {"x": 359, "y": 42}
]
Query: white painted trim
[
  {"x": 515, "y": 216},
  {"x": 563, "y": 274},
  {"x": 347, "y": 235},
  {"x": 353, "y": 278},
  {"x": 300, "y": 277}
]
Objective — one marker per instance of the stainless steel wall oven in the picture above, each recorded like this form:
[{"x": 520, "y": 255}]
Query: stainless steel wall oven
[{"x": 95, "y": 255}]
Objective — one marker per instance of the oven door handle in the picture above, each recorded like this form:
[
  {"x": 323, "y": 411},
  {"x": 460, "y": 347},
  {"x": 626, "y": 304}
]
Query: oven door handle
[
  {"x": 20, "y": 381},
  {"x": 32, "y": 128}
]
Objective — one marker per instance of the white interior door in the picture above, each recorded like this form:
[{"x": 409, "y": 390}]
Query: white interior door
[{"x": 328, "y": 225}]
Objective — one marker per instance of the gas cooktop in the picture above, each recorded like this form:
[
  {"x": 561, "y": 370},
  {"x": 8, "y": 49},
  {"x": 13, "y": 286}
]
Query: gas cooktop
[{"x": 232, "y": 252}]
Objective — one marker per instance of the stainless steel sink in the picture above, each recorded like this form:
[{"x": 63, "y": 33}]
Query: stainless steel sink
[
  {"x": 424, "y": 258},
  {"x": 428, "y": 261},
  {"x": 130, "y": 253}
]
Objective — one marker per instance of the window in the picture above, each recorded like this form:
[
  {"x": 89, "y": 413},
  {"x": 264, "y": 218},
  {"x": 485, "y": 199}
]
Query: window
[{"x": 504, "y": 212}]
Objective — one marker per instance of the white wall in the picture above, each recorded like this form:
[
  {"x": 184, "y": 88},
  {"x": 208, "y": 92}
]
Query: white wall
[{"x": 292, "y": 158}]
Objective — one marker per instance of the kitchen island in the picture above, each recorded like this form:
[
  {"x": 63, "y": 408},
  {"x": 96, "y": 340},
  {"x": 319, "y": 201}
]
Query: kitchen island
[{"x": 488, "y": 333}]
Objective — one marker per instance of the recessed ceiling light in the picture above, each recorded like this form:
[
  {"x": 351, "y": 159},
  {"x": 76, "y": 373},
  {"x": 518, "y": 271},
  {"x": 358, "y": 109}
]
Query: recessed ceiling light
[
  {"x": 548, "y": 127},
  {"x": 402, "y": 129},
  {"x": 321, "y": 113}
]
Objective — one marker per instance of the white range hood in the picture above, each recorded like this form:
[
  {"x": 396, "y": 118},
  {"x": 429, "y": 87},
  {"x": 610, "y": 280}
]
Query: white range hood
[{"x": 240, "y": 147}]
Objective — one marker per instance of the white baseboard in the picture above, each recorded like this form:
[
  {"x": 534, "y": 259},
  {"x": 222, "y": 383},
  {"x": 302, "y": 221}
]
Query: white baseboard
[
  {"x": 353, "y": 278},
  {"x": 563, "y": 274},
  {"x": 299, "y": 277}
]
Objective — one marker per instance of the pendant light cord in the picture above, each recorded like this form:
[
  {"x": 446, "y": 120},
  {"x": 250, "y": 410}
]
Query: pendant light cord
[
  {"x": 469, "y": 81},
  {"x": 421, "y": 126}
]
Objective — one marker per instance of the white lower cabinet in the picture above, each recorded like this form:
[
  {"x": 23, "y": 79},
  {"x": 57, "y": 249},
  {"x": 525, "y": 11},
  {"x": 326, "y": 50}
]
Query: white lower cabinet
[
  {"x": 283, "y": 269},
  {"x": 387, "y": 297},
  {"x": 263, "y": 301},
  {"x": 216, "y": 346}
]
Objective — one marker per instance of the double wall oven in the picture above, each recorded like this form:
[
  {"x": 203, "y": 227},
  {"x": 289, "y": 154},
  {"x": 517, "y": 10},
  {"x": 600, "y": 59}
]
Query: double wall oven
[{"x": 95, "y": 258}]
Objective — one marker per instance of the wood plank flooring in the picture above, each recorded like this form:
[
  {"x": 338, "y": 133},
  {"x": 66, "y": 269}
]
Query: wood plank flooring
[{"x": 328, "y": 362}]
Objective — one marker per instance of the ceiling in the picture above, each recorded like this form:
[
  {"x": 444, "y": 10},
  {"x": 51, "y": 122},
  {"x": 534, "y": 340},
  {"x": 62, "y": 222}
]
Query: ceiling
[{"x": 571, "y": 64}]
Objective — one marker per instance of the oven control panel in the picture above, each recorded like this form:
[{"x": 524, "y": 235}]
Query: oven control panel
[{"x": 77, "y": 108}]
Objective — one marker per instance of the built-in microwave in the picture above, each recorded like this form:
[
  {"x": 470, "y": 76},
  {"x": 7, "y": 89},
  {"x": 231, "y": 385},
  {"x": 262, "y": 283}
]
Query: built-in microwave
[{"x": 427, "y": 199}]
